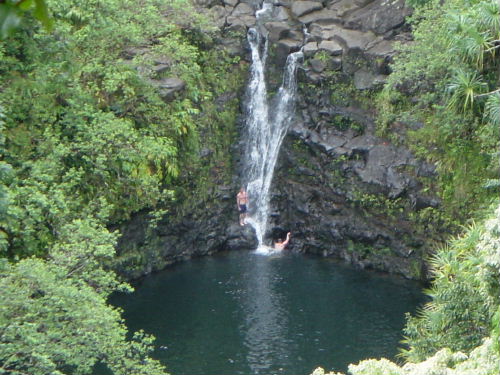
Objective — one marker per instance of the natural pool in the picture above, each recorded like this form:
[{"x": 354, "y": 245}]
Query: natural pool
[{"x": 245, "y": 313}]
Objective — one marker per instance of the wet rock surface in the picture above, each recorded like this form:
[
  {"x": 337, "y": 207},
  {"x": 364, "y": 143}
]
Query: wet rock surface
[
  {"x": 360, "y": 33},
  {"x": 349, "y": 195},
  {"x": 342, "y": 190},
  {"x": 147, "y": 245},
  {"x": 339, "y": 188}
]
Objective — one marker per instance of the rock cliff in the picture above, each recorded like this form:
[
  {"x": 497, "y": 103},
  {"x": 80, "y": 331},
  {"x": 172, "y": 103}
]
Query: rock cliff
[{"x": 338, "y": 187}]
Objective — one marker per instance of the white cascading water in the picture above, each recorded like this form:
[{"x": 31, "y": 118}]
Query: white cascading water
[{"x": 265, "y": 129}]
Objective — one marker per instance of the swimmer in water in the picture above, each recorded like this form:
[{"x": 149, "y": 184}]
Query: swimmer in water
[{"x": 280, "y": 244}]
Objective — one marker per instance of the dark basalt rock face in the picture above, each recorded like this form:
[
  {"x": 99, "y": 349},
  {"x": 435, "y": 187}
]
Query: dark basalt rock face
[
  {"x": 350, "y": 194},
  {"x": 339, "y": 188},
  {"x": 147, "y": 245}
]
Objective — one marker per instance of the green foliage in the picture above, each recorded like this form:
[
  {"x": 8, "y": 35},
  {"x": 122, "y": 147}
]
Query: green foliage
[
  {"x": 463, "y": 87},
  {"x": 457, "y": 332},
  {"x": 54, "y": 316},
  {"x": 375, "y": 367},
  {"x": 5, "y": 174},
  {"x": 465, "y": 295},
  {"x": 496, "y": 330},
  {"x": 483, "y": 360},
  {"x": 12, "y": 12},
  {"x": 442, "y": 92},
  {"x": 376, "y": 202},
  {"x": 417, "y": 3},
  {"x": 87, "y": 133},
  {"x": 492, "y": 109},
  {"x": 87, "y": 139}
]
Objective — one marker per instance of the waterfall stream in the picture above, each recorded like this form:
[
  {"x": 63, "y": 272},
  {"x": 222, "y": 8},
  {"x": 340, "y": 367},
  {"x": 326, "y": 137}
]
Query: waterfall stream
[{"x": 267, "y": 122}]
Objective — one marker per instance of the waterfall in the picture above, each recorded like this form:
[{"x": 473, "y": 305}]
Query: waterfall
[{"x": 266, "y": 128}]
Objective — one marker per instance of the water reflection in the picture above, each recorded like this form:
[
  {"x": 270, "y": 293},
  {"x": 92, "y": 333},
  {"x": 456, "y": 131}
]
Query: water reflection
[
  {"x": 266, "y": 320},
  {"x": 247, "y": 313}
]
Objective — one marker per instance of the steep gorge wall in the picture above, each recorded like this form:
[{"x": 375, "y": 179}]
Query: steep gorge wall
[{"x": 338, "y": 187}]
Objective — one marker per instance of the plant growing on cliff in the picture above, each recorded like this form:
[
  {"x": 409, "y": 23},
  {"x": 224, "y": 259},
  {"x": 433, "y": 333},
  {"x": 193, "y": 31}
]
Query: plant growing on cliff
[
  {"x": 442, "y": 89},
  {"x": 89, "y": 141},
  {"x": 464, "y": 295},
  {"x": 464, "y": 87}
]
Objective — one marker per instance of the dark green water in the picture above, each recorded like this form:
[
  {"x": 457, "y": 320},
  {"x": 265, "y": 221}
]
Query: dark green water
[{"x": 244, "y": 313}]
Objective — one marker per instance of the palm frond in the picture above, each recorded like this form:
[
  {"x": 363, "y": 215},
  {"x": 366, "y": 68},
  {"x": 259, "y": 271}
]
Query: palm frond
[
  {"x": 492, "y": 183},
  {"x": 463, "y": 88},
  {"x": 492, "y": 109},
  {"x": 489, "y": 17},
  {"x": 475, "y": 44}
]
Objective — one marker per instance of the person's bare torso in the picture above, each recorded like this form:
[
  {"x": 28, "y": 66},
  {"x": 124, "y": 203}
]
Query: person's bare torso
[{"x": 242, "y": 198}]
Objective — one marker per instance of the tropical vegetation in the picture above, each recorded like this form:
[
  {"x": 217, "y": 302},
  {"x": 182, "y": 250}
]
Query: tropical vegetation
[
  {"x": 458, "y": 331},
  {"x": 445, "y": 90},
  {"x": 88, "y": 138}
]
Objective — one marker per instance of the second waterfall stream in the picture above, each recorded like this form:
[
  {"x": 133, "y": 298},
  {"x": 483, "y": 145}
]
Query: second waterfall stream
[{"x": 267, "y": 122}]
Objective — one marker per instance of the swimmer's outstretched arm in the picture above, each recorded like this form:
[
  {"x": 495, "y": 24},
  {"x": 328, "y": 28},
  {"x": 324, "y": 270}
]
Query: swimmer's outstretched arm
[{"x": 287, "y": 239}]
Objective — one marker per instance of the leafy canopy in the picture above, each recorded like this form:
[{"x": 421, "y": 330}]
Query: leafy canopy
[{"x": 88, "y": 139}]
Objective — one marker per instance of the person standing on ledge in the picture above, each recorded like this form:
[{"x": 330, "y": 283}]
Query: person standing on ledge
[
  {"x": 280, "y": 244},
  {"x": 242, "y": 202}
]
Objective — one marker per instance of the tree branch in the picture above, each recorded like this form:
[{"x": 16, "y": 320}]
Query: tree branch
[
  {"x": 493, "y": 48},
  {"x": 486, "y": 94}
]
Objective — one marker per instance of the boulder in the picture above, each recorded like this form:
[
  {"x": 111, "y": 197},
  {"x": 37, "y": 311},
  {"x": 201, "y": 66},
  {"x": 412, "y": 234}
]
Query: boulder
[
  {"x": 255, "y": 4},
  {"x": 231, "y": 3},
  {"x": 248, "y": 21},
  {"x": 325, "y": 16},
  {"x": 364, "y": 80},
  {"x": 344, "y": 7},
  {"x": 161, "y": 68},
  {"x": 313, "y": 77},
  {"x": 131, "y": 52},
  {"x": 242, "y": 9},
  {"x": 233, "y": 46},
  {"x": 206, "y": 3},
  {"x": 299, "y": 8},
  {"x": 284, "y": 3},
  {"x": 380, "y": 16},
  {"x": 219, "y": 14},
  {"x": 294, "y": 34},
  {"x": 162, "y": 60},
  {"x": 362, "y": 3},
  {"x": 317, "y": 65},
  {"x": 240, "y": 237},
  {"x": 280, "y": 13},
  {"x": 240, "y": 23},
  {"x": 380, "y": 159},
  {"x": 241, "y": 17},
  {"x": 353, "y": 39},
  {"x": 331, "y": 47},
  {"x": 381, "y": 48},
  {"x": 276, "y": 30},
  {"x": 336, "y": 63},
  {"x": 236, "y": 25},
  {"x": 310, "y": 49},
  {"x": 285, "y": 47},
  {"x": 316, "y": 32},
  {"x": 380, "y": 56},
  {"x": 421, "y": 202},
  {"x": 169, "y": 87}
]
